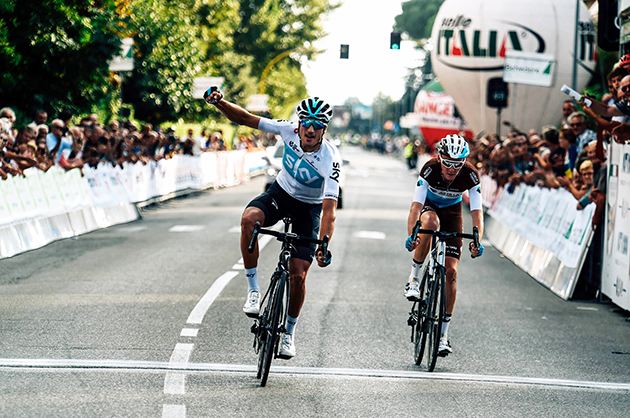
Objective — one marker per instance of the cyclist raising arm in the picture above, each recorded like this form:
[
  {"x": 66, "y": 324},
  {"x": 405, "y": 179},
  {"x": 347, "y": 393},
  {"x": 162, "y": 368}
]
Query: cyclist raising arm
[
  {"x": 307, "y": 188},
  {"x": 437, "y": 202}
]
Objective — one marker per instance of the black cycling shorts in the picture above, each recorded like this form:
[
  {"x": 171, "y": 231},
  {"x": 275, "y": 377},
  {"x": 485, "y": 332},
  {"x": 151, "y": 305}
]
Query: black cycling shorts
[
  {"x": 450, "y": 221},
  {"x": 277, "y": 204}
]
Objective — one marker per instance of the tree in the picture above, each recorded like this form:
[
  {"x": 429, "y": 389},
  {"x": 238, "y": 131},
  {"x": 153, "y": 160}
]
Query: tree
[
  {"x": 167, "y": 58},
  {"x": 271, "y": 27},
  {"x": 417, "y": 17},
  {"x": 54, "y": 55}
]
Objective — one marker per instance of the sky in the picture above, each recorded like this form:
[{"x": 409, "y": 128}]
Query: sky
[{"x": 372, "y": 67}]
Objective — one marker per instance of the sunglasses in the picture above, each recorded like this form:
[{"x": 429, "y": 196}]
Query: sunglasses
[
  {"x": 315, "y": 124},
  {"x": 575, "y": 124},
  {"x": 624, "y": 88},
  {"x": 452, "y": 164}
]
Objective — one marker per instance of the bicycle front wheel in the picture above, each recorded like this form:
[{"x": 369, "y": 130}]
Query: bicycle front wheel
[
  {"x": 436, "y": 309},
  {"x": 275, "y": 313},
  {"x": 420, "y": 337}
]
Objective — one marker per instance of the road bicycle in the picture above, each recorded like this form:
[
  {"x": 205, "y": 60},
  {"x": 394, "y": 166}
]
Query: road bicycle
[
  {"x": 427, "y": 313},
  {"x": 269, "y": 326}
]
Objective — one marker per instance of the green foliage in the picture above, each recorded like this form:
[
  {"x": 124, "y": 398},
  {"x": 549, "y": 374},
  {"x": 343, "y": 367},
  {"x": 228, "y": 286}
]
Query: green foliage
[
  {"x": 271, "y": 27},
  {"x": 417, "y": 17},
  {"x": 167, "y": 60},
  {"x": 286, "y": 86},
  {"x": 53, "y": 55}
]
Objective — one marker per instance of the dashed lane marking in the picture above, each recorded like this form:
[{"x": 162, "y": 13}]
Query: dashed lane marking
[
  {"x": 199, "y": 311},
  {"x": 175, "y": 382},
  {"x": 189, "y": 332},
  {"x": 187, "y": 228},
  {"x": 185, "y": 367},
  {"x": 174, "y": 411},
  {"x": 132, "y": 229},
  {"x": 370, "y": 234}
]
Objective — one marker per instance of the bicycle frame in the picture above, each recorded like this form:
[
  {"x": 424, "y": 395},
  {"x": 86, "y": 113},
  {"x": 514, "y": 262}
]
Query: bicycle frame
[
  {"x": 269, "y": 325},
  {"x": 427, "y": 313}
]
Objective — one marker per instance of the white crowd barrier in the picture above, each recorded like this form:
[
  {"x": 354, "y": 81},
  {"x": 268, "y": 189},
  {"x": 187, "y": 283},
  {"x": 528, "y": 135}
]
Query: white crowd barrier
[
  {"x": 46, "y": 206},
  {"x": 541, "y": 231},
  {"x": 616, "y": 262}
]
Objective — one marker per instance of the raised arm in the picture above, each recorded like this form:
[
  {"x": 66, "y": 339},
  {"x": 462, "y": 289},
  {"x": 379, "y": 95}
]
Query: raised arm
[
  {"x": 601, "y": 108},
  {"x": 232, "y": 111}
]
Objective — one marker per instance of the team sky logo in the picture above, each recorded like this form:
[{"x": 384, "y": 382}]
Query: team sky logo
[
  {"x": 336, "y": 172},
  {"x": 458, "y": 38},
  {"x": 300, "y": 169}
]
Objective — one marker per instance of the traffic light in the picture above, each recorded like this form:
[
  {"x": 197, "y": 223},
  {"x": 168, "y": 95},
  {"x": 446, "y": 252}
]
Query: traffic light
[
  {"x": 607, "y": 29},
  {"x": 343, "y": 51},
  {"x": 497, "y": 93},
  {"x": 394, "y": 40}
]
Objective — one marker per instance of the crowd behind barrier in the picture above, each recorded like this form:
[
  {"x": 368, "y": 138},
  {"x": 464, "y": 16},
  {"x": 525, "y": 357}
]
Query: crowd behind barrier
[
  {"x": 43, "y": 206},
  {"x": 63, "y": 180}
]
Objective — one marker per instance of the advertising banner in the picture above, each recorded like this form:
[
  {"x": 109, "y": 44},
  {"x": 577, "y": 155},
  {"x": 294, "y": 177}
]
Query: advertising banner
[
  {"x": 528, "y": 68},
  {"x": 436, "y": 113},
  {"x": 473, "y": 38},
  {"x": 543, "y": 232},
  {"x": 44, "y": 206},
  {"x": 616, "y": 265}
]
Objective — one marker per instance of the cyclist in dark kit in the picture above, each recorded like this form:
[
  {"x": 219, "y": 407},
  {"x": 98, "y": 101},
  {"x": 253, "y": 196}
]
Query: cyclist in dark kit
[
  {"x": 307, "y": 188},
  {"x": 437, "y": 202}
]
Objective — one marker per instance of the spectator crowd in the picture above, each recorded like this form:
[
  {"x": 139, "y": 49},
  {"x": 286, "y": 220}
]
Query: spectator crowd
[{"x": 40, "y": 143}]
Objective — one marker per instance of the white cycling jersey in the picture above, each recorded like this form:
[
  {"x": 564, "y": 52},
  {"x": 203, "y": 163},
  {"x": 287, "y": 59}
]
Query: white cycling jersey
[{"x": 309, "y": 177}]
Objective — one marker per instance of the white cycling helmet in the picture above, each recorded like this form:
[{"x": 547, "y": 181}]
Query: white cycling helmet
[
  {"x": 453, "y": 146},
  {"x": 315, "y": 108}
]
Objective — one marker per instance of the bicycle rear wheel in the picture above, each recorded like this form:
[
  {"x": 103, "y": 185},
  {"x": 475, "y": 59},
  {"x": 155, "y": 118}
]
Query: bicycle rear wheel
[
  {"x": 436, "y": 309},
  {"x": 420, "y": 337},
  {"x": 275, "y": 313}
]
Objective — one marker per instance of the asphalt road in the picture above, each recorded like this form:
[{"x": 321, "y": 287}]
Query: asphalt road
[{"x": 145, "y": 320}]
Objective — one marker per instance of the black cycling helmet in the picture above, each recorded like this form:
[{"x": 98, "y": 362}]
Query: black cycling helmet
[{"x": 315, "y": 108}]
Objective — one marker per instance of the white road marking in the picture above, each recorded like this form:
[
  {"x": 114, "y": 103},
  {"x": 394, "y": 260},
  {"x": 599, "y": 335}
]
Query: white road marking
[
  {"x": 197, "y": 314},
  {"x": 370, "y": 234},
  {"x": 187, "y": 228},
  {"x": 181, "y": 353},
  {"x": 173, "y": 411},
  {"x": 587, "y": 308},
  {"x": 175, "y": 383},
  {"x": 132, "y": 229},
  {"x": 142, "y": 366},
  {"x": 189, "y": 332}
]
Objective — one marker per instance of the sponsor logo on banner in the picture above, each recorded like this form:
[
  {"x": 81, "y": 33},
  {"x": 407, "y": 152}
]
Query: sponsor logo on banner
[{"x": 459, "y": 38}]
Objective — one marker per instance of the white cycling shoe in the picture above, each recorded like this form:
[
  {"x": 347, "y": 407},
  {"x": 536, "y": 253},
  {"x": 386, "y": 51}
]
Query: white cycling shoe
[
  {"x": 412, "y": 291},
  {"x": 444, "y": 349},
  {"x": 287, "y": 347},
  {"x": 252, "y": 304}
]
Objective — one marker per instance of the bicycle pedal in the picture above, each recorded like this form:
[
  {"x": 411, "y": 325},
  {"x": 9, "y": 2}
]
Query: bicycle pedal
[
  {"x": 411, "y": 321},
  {"x": 254, "y": 328}
]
